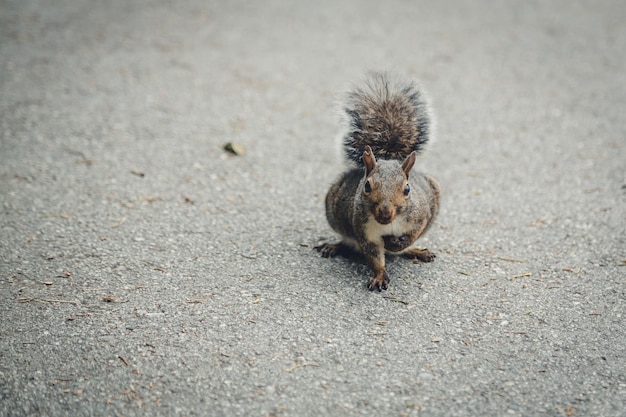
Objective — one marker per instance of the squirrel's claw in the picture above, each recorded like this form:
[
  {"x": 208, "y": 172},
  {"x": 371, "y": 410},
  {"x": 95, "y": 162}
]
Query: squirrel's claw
[
  {"x": 379, "y": 282},
  {"x": 419, "y": 255},
  {"x": 328, "y": 250}
]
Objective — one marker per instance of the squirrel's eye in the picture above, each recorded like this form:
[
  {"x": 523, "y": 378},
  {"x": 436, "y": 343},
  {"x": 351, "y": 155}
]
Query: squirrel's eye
[
  {"x": 368, "y": 186},
  {"x": 407, "y": 189}
]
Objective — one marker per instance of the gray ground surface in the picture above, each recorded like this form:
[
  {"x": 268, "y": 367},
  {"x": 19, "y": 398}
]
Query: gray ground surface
[{"x": 145, "y": 272}]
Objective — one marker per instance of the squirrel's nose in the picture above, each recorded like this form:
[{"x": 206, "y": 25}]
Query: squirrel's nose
[{"x": 385, "y": 215}]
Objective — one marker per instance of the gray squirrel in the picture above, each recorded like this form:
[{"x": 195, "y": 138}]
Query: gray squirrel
[{"x": 380, "y": 206}]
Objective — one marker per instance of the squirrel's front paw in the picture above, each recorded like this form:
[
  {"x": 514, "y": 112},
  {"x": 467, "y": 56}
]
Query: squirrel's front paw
[
  {"x": 397, "y": 243},
  {"x": 379, "y": 282}
]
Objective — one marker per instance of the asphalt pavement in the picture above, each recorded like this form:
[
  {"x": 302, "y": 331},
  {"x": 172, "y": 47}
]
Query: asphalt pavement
[{"x": 147, "y": 271}]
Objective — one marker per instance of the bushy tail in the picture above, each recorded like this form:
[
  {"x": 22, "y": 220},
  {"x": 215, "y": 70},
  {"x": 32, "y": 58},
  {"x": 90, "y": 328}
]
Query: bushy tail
[{"x": 389, "y": 115}]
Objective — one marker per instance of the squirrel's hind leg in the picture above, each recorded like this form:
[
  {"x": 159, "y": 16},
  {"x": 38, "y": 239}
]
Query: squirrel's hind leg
[
  {"x": 419, "y": 255},
  {"x": 330, "y": 250}
]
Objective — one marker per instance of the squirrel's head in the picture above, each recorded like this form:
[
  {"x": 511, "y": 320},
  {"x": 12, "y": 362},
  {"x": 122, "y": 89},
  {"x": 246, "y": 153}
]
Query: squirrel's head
[{"x": 386, "y": 189}]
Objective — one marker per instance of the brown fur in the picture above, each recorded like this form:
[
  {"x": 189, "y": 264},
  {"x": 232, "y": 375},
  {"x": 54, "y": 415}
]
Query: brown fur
[
  {"x": 387, "y": 114},
  {"x": 382, "y": 206}
]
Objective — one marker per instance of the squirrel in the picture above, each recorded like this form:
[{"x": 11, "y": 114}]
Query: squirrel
[{"x": 380, "y": 206}]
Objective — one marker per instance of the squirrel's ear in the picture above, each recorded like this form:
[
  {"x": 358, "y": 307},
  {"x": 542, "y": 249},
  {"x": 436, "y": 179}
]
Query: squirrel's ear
[
  {"x": 408, "y": 164},
  {"x": 368, "y": 160}
]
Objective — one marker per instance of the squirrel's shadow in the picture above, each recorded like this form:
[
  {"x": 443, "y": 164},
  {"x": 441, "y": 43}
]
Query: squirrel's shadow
[{"x": 356, "y": 258}]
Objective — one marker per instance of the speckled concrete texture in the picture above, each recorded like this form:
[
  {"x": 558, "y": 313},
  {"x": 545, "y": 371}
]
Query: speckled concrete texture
[{"x": 145, "y": 271}]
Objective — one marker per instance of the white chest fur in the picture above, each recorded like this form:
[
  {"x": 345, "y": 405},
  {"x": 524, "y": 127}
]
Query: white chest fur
[{"x": 375, "y": 231}]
